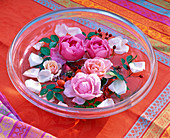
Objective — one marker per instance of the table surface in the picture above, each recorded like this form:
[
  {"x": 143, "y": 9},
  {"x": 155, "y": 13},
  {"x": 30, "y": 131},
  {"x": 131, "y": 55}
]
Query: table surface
[{"x": 149, "y": 118}]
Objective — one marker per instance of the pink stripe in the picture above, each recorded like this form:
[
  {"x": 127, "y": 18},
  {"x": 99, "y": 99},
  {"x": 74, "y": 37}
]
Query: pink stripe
[
  {"x": 142, "y": 11},
  {"x": 27, "y": 131},
  {"x": 12, "y": 129},
  {"x": 1, "y": 118}
]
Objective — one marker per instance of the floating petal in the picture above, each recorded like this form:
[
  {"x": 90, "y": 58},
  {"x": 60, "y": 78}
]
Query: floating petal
[
  {"x": 107, "y": 102},
  {"x": 74, "y": 31},
  {"x": 61, "y": 30},
  {"x": 33, "y": 85},
  {"x": 120, "y": 44},
  {"x": 137, "y": 66},
  {"x": 62, "y": 104},
  {"x": 44, "y": 76},
  {"x": 34, "y": 59},
  {"x": 38, "y": 45},
  {"x": 32, "y": 73},
  {"x": 118, "y": 86},
  {"x": 78, "y": 100}
]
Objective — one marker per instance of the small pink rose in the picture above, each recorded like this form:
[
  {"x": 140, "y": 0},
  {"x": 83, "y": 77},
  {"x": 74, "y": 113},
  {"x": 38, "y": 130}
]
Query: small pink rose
[
  {"x": 98, "y": 47},
  {"x": 71, "y": 48},
  {"x": 52, "y": 65},
  {"x": 83, "y": 87},
  {"x": 97, "y": 65}
]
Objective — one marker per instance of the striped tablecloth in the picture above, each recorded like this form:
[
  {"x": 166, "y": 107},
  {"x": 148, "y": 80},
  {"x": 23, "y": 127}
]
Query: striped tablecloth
[{"x": 149, "y": 118}]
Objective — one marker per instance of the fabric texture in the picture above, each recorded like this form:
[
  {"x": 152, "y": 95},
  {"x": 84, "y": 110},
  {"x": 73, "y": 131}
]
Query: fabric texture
[{"x": 149, "y": 118}]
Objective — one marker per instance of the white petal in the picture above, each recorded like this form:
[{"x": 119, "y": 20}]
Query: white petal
[
  {"x": 115, "y": 41},
  {"x": 62, "y": 104},
  {"x": 123, "y": 49},
  {"x": 33, "y": 73},
  {"x": 61, "y": 30},
  {"x": 74, "y": 31},
  {"x": 34, "y": 59},
  {"x": 137, "y": 66},
  {"x": 45, "y": 98},
  {"x": 44, "y": 76},
  {"x": 118, "y": 86},
  {"x": 58, "y": 74},
  {"x": 107, "y": 102},
  {"x": 33, "y": 85},
  {"x": 38, "y": 45}
]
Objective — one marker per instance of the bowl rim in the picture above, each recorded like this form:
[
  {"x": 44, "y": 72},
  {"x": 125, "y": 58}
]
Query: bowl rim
[{"x": 146, "y": 87}]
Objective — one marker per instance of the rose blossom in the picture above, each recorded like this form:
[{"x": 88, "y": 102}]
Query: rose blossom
[
  {"x": 71, "y": 48},
  {"x": 98, "y": 47},
  {"x": 97, "y": 65},
  {"x": 52, "y": 65},
  {"x": 83, "y": 87}
]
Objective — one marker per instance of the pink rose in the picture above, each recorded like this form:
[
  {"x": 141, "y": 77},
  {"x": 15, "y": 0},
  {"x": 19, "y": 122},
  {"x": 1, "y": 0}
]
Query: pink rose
[
  {"x": 71, "y": 48},
  {"x": 98, "y": 47},
  {"x": 97, "y": 65},
  {"x": 83, "y": 87},
  {"x": 52, "y": 65}
]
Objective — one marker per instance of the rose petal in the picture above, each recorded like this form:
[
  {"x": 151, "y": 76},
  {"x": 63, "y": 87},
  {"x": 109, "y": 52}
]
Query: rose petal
[
  {"x": 34, "y": 59},
  {"x": 61, "y": 30},
  {"x": 123, "y": 49},
  {"x": 118, "y": 86},
  {"x": 33, "y": 73},
  {"x": 80, "y": 36},
  {"x": 74, "y": 31},
  {"x": 62, "y": 104},
  {"x": 137, "y": 66},
  {"x": 78, "y": 100},
  {"x": 33, "y": 85},
  {"x": 44, "y": 76},
  {"x": 38, "y": 45},
  {"x": 54, "y": 53},
  {"x": 68, "y": 91},
  {"x": 107, "y": 102}
]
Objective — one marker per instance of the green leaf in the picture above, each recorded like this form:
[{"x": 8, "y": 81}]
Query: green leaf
[
  {"x": 117, "y": 95},
  {"x": 103, "y": 82},
  {"x": 118, "y": 75},
  {"x": 134, "y": 58},
  {"x": 58, "y": 90},
  {"x": 52, "y": 44},
  {"x": 128, "y": 88},
  {"x": 90, "y": 106},
  {"x": 50, "y": 86},
  {"x": 122, "y": 60},
  {"x": 84, "y": 33},
  {"x": 43, "y": 85},
  {"x": 59, "y": 96},
  {"x": 129, "y": 58},
  {"x": 54, "y": 38},
  {"x": 97, "y": 103},
  {"x": 45, "y": 51},
  {"x": 91, "y": 34},
  {"x": 125, "y": 66},
  {"x": 41, "y": 55},
  {"x": 89, "y": 38},
  {"x": 91, "y": 101},
  {"x": 49, "y": 95},
  {"x": 110, "y": 73},
  {"x": 47, "y": 40},
  {"x": 43, "y": 91}
]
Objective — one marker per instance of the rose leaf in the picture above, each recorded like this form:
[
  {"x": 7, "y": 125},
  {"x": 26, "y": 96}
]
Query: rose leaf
[
  {"x": 49, "y": 95},
  {"x": 97, "y": 103},
  {"x": 45, "y": 51},
  {"x": 50, "y": 86},
  {"x": 54, "y": 38},
  {"x": 43, "y": 91},
  {"x": 122, "y": 60},
  {"x": 58, "y": 90},
  {"x": 59, "y": 96},
  {"x": 52, "y": 44}
]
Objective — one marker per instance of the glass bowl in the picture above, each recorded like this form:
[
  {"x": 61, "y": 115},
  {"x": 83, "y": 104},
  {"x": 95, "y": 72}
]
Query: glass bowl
[{"x": 86, "y": 19}]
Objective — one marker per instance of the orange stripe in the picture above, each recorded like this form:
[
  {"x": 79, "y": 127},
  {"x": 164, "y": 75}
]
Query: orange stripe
[{"x": 131, "y": 15}]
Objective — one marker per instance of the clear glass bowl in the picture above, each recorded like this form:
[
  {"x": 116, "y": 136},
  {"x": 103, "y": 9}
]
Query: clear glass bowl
[{"x": 44, "y": 26}]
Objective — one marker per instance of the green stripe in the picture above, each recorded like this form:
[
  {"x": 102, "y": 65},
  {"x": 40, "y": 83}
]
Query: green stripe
[
  {"x": 68, "y": 3},
  {"x": 161, "y": 3}
]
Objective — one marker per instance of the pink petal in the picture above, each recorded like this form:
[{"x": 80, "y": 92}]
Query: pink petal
[
  {"x": 68, "y": 91},
  {"x": 78, "y": 100},
  {"x": 80, "y": 36},
  {"x": 54, "y": 53}
]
